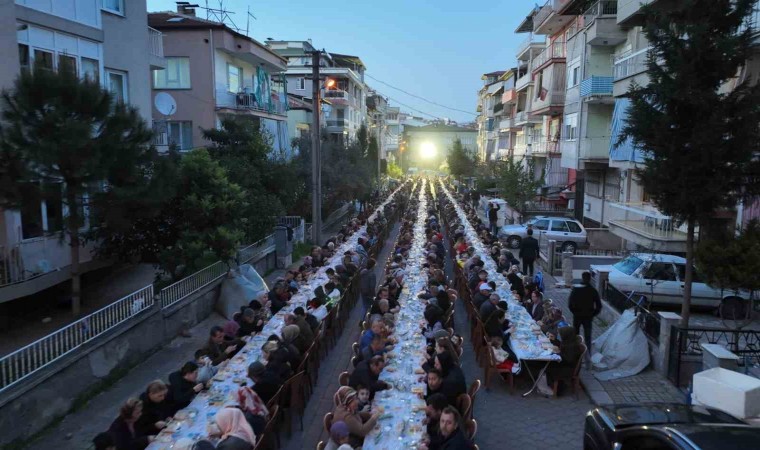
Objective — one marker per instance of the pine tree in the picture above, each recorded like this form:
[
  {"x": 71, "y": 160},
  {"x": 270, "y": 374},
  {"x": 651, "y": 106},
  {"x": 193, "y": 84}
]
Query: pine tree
[
  {"x": 516, "y": 182},
  {"x": 60, "y": 129},
  {"x": 698, "y": 140},
  {"x": 459, "y": 160}
]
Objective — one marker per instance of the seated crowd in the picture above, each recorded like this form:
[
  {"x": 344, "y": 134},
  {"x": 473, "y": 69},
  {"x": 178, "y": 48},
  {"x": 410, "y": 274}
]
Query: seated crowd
[
  {"x": 245, "y": 414},
  {"x": 527, "y": 291},
  {"x": 353, "y": 416}
]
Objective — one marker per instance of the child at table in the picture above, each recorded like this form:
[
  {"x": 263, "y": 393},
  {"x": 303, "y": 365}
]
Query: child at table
[
  {"x": 500, "y": 356},
  {"x": 362, "y": 393}
]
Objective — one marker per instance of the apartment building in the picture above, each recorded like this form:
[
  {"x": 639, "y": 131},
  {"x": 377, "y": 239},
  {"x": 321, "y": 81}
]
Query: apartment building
[
  {"x": 489, "y": 104},
  {"x": 523, "y": 122},
  {"x": 377, "y": 127},
  {"x": 107, "y": 40},
  {"x": 347, "y": 98},
  {"x": 215, "y": 72}
]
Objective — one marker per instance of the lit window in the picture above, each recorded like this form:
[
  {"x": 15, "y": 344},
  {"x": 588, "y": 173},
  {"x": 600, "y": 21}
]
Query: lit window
[{"x": 175, "y": 76}]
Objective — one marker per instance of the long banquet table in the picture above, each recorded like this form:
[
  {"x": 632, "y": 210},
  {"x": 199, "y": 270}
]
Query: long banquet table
[
  {"x": 403, "y": 409},
  {"x": 527, "y": 341},
  {"x": 193, "y": 423}
]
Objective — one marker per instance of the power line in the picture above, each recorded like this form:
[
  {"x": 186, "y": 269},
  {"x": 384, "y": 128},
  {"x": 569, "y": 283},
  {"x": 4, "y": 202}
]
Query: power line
[
  {"x": 405, "y": 105},
  {"x": 421, "y": 98}
]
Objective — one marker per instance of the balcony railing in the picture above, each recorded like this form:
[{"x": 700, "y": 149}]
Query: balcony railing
[
  {"x": 156, "y": 40},
  {"x": 596, "y": 85},
  {"x": 336, "y": 123},
  {"x": 532, "y": 39},
  {"x": 508, "y": 96},
  {"x": 523, "y": 81},
  {"x": 556, "y": 50},
  {"x": 630, "y": 63},
  {"x": 247, "y": 101},
  {"x": 544, "y": 147},
  {"x": 601, "y": 8},
  {"x": 543, "y": 14}
]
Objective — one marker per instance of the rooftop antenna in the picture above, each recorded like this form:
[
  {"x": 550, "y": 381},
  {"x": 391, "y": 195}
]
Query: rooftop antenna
[
  {"x": 221, "y": 15},
  {"x": 248, "y": 20}
]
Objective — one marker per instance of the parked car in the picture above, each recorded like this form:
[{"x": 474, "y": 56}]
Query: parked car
[
  {"x": 660, "y": 279},
  {"x": 569, "y": 233},
  {"x": 665, "y": 426}
]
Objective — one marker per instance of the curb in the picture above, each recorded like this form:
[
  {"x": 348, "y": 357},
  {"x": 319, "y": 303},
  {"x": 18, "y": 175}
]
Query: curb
[{"x": 594, "y": 389}]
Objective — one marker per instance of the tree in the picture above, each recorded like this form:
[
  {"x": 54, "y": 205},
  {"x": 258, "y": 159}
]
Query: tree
[
  {"x": 698, "y": 140},
  {"x": 373, "y": 155},
  {"x": 732, "y": 263},
  {"x": 206, "y": 215},
  {"x": 516, "y": 181},
  {"x": 395, "y": 171},
  {"x": 65, "y": 133},
  {"x": 459, "y": 160}
]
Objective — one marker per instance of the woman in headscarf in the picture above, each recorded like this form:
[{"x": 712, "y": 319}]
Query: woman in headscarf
[
  {"x": 453, "y": 378},
  {"x": 230, "y": 330},
  {"x": 236, "y": 433},
  {"x": 291, "y": 341},
  {"x": 359, "y": 424}
]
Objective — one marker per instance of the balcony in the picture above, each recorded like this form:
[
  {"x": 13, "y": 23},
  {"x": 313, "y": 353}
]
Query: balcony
[
  {"x": 550, "y": 18},
  {"x": 543, "y": 148},
  {"x": 601, "y": 20},
  {"x": 156, "y": 49},
  {"x": 523, "y": 118},
  {"x": 630, "y": 63},
  {"x": 337, "y": 125},
  {"x": 644, "y": 225},
  {"x": 533, "y": 41},
  {"x": 509, "y": 96},
  {"x": 596, "y": 87},
  {"x": 549, "y": 102},
  {"x": 340, "y": 97},
  {"x": 247, "y": 102},
  {"x": 523, "y": 82},
  {"x": 498, "y": 108},
  {"x": 555, "y": 52},
  {"x": 507, "y": 124}
]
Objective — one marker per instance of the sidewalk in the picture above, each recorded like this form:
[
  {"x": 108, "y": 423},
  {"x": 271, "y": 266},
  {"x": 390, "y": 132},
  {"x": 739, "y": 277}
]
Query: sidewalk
[{"x": 646, "y": 386}]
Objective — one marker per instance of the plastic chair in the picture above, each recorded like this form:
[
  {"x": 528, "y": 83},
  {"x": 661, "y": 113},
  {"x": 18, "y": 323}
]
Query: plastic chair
[
  {"x": 321, "y": 445},
  {"x": 343, "y": 378},
  {"x": 266, "y": 436},
  {"x": 491, "y": 368},
  {"x": 471, "y": 429},
  {"x": 473, "y": 391},
  {"x": 327, "y": 421},
  {"x": 464, "y": 405}
]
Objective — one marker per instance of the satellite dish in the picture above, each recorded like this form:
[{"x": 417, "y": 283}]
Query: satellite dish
[{"x": 165, "y": 104}]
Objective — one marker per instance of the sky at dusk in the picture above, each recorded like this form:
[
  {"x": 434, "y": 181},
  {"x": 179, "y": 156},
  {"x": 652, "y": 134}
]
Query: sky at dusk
[{"x": 433, "y": 49}]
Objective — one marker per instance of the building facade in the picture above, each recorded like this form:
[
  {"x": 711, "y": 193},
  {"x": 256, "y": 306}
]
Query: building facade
[
  {"x": 347, "y": 98},
  {"x": 214, "y": 72},
  {"x": 109, "y": 41}
]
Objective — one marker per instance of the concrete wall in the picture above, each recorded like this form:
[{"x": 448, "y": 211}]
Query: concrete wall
[
  {"x": 603, "y": 239},
  {"x": 41, "y": 399},
  {"x": 125, "y": 47}
]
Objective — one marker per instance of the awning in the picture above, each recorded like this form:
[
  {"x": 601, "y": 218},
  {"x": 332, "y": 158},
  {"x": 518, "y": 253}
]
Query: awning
[
  {"x": 626, "y": 151},
  {"x": 494, "y": 88}
]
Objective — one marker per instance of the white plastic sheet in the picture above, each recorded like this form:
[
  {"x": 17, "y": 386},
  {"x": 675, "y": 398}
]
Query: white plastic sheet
[
  {"x": 622, "y": 350},
  {"x": 238, "y": 289}
]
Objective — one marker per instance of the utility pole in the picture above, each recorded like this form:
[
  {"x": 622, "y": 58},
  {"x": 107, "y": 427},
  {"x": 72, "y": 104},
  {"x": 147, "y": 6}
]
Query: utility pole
[{"x": 316, "y": 152}]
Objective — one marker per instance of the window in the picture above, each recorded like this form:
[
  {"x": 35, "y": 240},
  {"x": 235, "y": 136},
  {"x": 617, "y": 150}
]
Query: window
[
  {"x": 300, "y": 84},
  {"x": 67, "y": 61},
  {"x": 114, "y": 6},
  {"x": 53, "y": 207},
  {"x": 696, "y": 277},
  {"x": 646, "y": 443},
  {"x": 117, "y": 84},
  {"x": 175, "y": 76},
  {"x": 571, "y": 127},
  {"x": 31, "y": 216},
  {"x": 574, "y": 227},
  {"x": 660, "y": 271},
  {"x": 341, "y": 114},
  {"x": 628, "y": 265},
  {"x": 573, "y": 76},
  {"x": 560, "y": 226},
  {"x": 541, "y": 224},
  {"x": 23, "y": 56},
  {"x": 234, "y": 78},
  {"x": 539, "y": 84},
  {"x": 181, "y": 135},
  {"x": 91, "y": 69},
  {"x": 44, "y": 59}
]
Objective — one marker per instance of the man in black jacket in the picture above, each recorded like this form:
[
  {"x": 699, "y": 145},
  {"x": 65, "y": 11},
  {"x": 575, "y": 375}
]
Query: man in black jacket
[
  {"x": 436, "y": 403},
  {"x": 367, "y": 373},
  {"x": 528, "y": 253},
  {"x": 493, "y": 218},
  {"x": 184, "y": 386},
  {"x": 451, "y": 434},
  {"x": 265, "y": 383},
  {"x": 585, "y": 304}
]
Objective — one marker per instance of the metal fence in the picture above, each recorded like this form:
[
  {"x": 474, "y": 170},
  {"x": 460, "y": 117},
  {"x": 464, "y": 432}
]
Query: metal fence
[
  {"x": 648, "y": 320},
  {"x": 248, "y": 253},
  {"x": 686, "y": 342},
  {"x": 195, "y": 282},
  {"x": 297, "y": 224},
  {"x": 35, "y": 356}
]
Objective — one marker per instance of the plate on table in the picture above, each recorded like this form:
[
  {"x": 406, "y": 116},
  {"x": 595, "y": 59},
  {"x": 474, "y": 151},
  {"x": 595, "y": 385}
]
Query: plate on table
[{"x": 187, "y": 413}]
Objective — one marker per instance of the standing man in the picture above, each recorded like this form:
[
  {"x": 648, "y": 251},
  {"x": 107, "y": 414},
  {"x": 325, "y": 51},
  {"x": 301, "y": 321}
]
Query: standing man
[
  {"x": 528, "y": 253},
  {"x": 493, "y": 218},
  {"x": 585, "y": 304}
]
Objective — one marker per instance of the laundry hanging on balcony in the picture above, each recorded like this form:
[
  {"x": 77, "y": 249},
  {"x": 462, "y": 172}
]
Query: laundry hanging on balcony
[{"x": 626, "y": 151}]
